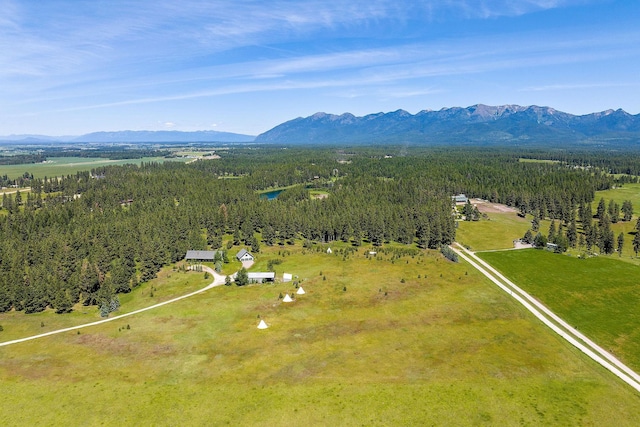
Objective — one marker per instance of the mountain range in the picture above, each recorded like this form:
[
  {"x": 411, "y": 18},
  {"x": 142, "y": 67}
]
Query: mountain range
[
  {"x": 478, "y": 124},
  {"x": 129, "y": 136}
]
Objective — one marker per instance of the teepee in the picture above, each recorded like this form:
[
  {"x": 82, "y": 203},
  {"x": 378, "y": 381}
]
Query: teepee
[
  {"x": 262, "y": 325},
  {"x": 300, "y": 291},
  {"x": 287, "y": 298}
]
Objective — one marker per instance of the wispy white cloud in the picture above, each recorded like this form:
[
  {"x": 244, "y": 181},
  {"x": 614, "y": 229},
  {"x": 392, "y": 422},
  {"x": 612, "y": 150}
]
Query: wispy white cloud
[
  {"x": 484, "y": 9},
  {"x": 66, "y": 56},
  {"x": 10, "y": 15},
  {"x": 60, "y": 37},
  {"x": 574, "y": 86},
  {"x": 364, "y": 71}
]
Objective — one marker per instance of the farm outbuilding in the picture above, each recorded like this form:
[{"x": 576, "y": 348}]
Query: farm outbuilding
[
  {"x": 268, "y": 276},
  {"x": 200, "y": 256},
  {"x": 460, "y": 198}
]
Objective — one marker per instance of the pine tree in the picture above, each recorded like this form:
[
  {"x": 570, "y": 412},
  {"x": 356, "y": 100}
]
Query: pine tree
[
  {"x": 620, "y": 243},
  {"x": 601, "y": 209},
  {"x": 614, "y": 211},
  {"x": 242, "y": 277},
  {"x": 540, "y": 241},
  {"x": 535, "y": 224},
  {"x": 627, "y": 210},
  {"x": 552, "y": 231},
  {"x": 572, "y": 234},
  {"x": 62, "y": 302},
  {"x": 636, "y": 243}
]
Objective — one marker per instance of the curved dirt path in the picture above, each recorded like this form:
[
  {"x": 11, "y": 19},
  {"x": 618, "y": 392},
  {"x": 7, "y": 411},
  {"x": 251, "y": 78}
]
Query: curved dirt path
[
  {"x": 555, "y": 323},
  {"x": 218, "y": 280}
]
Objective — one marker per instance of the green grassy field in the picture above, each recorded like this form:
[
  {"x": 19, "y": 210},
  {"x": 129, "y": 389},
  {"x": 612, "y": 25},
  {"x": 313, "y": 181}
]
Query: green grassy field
[
  {"x": 498, "y": 232},
  {"x": 13, "y": 190},
  {"x": 600, "y": 296},
  {"x": 627, "y": 192},
  {"x": 411, "y": 341},
  {"x": 169, "y": 284},
  {"x": 59, "y": 166},
  {"x": 523, "y": 160}
]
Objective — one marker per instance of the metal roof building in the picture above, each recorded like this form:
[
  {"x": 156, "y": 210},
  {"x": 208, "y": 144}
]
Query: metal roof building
[{"x": 200, "y": 255}]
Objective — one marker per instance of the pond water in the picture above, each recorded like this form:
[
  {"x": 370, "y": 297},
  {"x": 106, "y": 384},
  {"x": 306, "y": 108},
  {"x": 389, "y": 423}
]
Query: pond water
[{"x": 271, "y": 195}]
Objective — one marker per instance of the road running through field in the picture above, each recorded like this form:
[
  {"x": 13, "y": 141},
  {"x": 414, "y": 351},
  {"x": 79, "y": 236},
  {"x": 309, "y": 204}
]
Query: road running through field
[
  {"x": 551, "y": 320},
  {"x": 217, "y": 281}
]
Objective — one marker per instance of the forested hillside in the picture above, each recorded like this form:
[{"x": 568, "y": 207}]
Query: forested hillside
[{"x": 87, "y": 237}]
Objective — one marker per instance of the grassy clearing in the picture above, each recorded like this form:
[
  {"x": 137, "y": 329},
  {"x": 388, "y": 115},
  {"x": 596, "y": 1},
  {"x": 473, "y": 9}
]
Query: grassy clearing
[
  {"x": 13, "y": 190},
  {"x": 523, "y": 160},
  {"x": 412, "y": 341},
  {"x": 627, "y": 192},
  {"x": 318, "y": 194},
  {"x": 59, "y": 166},
  {"x": 600, "y": 296},
  {"x": 169, "y": 284},
  {"x": 498, "y": 232}
]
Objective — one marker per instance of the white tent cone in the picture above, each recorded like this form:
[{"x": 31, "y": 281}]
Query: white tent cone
[
  {"x": 300, "y": 291},
  {"x": 287, "y": 298},
  {"x": 262, "y": 325}
]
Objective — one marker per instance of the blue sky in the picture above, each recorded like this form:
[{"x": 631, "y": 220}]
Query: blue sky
[{"x": 69, "y": 67}]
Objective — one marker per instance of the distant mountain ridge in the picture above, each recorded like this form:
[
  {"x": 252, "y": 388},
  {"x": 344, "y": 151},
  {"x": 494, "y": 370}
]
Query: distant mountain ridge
[
  {"x": 164, "y": 136},
  {"x": 477, "y": 124},
  {"x": 129, "y": 136}
]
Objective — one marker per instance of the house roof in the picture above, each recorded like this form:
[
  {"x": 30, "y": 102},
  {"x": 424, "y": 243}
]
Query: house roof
[
  {"x": 265, "y": 275},
  {"x": 206, "y": 255},
  {"x": 242, "y": 253}
]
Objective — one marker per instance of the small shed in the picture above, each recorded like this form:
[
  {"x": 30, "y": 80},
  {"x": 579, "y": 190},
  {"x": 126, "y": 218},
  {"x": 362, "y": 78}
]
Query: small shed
[
  {"x": 200, "y": 256},
  {"x": 460, "y": 198},
  {"x": 287, "y": 277},
  {"x": 244, "y": 255},
  {"x": 257, "y": 277}
]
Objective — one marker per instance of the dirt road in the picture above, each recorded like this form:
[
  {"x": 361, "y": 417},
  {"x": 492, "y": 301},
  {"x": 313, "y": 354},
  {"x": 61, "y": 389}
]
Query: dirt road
[
  {"x": 217, "y": 281},
  {"x": 551, "y": 320}
]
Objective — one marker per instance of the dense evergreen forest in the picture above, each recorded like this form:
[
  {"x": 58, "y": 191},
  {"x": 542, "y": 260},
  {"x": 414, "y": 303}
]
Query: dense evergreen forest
[{"x": 89, "y": 236}]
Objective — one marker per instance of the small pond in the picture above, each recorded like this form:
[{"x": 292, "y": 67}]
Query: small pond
[{"x": 271, "y": 195}]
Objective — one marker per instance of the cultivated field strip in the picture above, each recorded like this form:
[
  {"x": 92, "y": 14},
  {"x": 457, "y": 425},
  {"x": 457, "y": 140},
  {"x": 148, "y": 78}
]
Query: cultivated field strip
[{"x": 550, "y": 319}]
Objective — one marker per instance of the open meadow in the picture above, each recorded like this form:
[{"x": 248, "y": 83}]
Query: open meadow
[
  {"x": 620, "y": 194},
  {"x": 389, "y": 339},
  {"x": 61, "y": 166},
  {"x": 600, "y": 296},
  {"x": 497, "y": 232}
]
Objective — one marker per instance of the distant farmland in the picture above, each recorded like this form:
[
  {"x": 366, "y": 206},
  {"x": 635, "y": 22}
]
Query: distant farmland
[{"x": 58, "y": 166}]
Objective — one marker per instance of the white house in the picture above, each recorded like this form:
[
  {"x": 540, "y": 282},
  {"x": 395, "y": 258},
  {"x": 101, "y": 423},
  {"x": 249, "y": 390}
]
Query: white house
[{"x": 244, "y": 255}]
